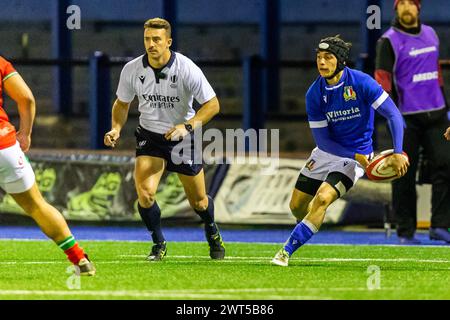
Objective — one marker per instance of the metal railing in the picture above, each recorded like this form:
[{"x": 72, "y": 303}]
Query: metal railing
[{"x": 253, "y": 115}]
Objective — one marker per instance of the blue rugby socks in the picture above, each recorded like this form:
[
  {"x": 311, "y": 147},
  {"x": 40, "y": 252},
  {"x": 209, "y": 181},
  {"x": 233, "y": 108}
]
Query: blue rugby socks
[
  {"x": 208, "y": 217},
  {"x": 299, "y": 236},
  {"x": 152, "y": 219}
]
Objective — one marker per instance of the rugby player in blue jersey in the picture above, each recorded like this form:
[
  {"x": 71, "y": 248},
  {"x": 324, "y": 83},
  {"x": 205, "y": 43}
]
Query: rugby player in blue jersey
[{"x": 340, "y": 105}]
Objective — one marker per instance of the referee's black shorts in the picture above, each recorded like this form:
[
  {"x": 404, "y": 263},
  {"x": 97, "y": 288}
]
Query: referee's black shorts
[{"x": 181, "y": 156}]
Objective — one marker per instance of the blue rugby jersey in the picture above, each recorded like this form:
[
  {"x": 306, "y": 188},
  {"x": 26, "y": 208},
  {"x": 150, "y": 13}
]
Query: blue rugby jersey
[{"x": 347, "y": 110}]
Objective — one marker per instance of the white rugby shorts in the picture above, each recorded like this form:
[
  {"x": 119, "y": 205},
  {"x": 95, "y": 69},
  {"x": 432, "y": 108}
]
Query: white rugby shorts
[
  {"x": 16, "y": 174},
  {"x": 321, "y": 163}
]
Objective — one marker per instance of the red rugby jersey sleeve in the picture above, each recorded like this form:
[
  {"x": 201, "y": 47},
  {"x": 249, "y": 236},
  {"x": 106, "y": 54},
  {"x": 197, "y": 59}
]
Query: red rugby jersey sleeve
[{"x": 6, "y": 69}]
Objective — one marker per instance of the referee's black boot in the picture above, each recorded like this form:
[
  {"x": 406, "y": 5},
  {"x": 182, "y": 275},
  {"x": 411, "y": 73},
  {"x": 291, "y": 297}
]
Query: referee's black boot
[
  {"x": 158, "y": 252},
  {"x": 216, "y": 245}
]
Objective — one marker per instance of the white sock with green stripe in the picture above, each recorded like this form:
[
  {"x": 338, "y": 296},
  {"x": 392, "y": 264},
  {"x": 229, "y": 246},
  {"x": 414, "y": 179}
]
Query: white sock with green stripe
[
  {"x": 67, "y": 243},
  {"x": 71, "y": 248}
]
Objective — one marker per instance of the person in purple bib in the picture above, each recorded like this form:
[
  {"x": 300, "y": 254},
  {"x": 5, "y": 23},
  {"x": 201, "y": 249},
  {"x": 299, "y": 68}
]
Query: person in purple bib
[{"x": 407, "y": 67}]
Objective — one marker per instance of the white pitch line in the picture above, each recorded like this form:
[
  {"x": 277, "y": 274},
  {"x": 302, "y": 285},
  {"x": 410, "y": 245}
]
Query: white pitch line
[
  {"x": 278, "y": 293},
  {"x": 232, "y": 259},
  {"x": 375, "y": 259},
  {"x": 153, "y": 294},
  {"x": 65, "y": 262},
  {"x": 306, "y": 259}
]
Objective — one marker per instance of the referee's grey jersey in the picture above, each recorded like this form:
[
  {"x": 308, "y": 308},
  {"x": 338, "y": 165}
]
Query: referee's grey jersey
[{"x": 165, "y": 97}]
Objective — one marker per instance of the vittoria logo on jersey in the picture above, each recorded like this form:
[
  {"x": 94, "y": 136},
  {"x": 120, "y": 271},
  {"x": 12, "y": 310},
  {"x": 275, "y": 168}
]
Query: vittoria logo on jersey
[
  {"x": 349, "y": 93},
  {"x": 161, "y": 102},
  {"x": 340, "y": 115}
]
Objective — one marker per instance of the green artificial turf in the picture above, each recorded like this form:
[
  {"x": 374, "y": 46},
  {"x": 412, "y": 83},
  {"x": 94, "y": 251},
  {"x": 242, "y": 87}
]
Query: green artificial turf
[{"x": 39, "y": 270}]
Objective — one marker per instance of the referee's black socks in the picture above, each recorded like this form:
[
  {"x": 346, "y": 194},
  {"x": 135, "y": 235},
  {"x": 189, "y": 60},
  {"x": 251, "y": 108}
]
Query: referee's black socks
[
  {"x": 208, "y": 217},
  {"x": 152, "y": 219}
]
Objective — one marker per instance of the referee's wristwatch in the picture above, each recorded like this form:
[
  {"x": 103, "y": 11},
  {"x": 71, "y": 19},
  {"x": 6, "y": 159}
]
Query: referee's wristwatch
[{"x": 188, "y": 127}]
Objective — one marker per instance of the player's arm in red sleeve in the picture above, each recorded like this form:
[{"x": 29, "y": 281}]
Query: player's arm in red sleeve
[
  {"x": 384, "y": 64},
  {"x": 16, "y": 88},
  {"x": 6, "y": 69}
]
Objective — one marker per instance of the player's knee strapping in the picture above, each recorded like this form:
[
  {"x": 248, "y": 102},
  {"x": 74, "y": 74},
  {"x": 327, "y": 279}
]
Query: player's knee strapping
[{"x": 152, "y": 219}]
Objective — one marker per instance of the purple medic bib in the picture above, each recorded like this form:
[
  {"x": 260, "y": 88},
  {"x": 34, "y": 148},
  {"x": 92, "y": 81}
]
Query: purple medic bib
[{"x": 416, "y": 75}]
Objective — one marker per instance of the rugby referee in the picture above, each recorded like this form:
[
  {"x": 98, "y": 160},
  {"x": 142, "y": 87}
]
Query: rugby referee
[{"x": 166, "y": 83}]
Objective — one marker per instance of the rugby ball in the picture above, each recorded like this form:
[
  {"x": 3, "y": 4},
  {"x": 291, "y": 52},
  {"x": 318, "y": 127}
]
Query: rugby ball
[{"x": 377, "y": 169}]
